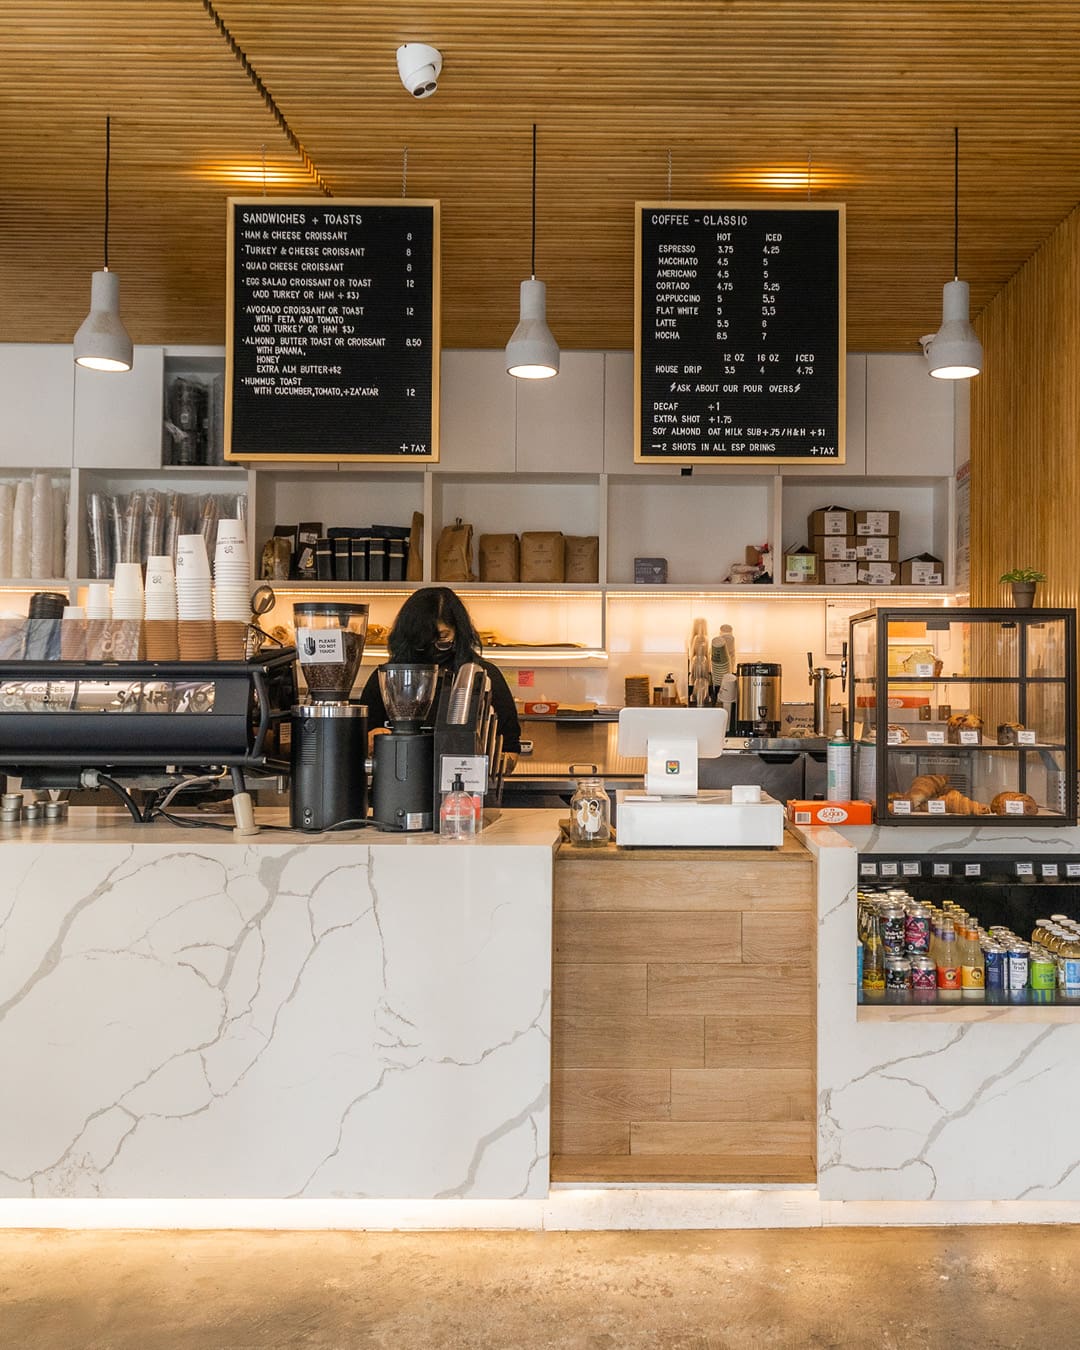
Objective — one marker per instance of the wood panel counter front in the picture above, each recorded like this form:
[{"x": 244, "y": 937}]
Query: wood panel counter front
[{"x": 683, "y": 1036}]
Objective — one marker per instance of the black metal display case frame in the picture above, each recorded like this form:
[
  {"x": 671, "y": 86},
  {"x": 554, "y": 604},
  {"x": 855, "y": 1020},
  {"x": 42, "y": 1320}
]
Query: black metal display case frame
[{"x": 1023, "y": 682}]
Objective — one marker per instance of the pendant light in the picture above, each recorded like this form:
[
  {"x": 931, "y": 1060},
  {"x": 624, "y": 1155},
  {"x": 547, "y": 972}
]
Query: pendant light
[
  {"x": 102, "y": 342},
  {"x": 532, "y": 353},
  {"x": 954, "y": 352}
]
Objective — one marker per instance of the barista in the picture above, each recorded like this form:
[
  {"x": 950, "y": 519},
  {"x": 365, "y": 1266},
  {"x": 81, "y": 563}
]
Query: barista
[{"x": 433, "y": 628}]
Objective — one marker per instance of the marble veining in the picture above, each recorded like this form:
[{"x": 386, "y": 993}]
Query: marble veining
[
  {"x": 274, "y": 1019},
  {"x": 923, "y": 1110}
]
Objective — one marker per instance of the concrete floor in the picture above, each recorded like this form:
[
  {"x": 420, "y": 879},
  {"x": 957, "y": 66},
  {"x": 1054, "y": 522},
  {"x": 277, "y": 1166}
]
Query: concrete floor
[{"x": 898, "y": 1289}]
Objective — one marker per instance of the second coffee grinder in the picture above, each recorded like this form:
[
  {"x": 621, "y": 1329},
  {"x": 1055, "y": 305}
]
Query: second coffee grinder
[{"x": 404, "y": 759}]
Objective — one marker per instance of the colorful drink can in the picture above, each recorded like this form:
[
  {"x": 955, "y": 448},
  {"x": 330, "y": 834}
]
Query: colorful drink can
[
  {"x": 996, "y": 961},
  {"x": 897, "y": 974},
  {"x": 892, "y": 929},
  {"x": 1042, "y": 971},
  {"x": 923, "y": 976},
  {"x": 1018, "y": 968},
  {"x": 917, "y": 930}
]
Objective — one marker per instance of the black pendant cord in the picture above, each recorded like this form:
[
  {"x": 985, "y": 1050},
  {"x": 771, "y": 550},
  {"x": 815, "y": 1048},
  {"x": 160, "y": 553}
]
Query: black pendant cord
[
  {"x": 534, "y": 205},
  {"x": 108, "y": 149},
  {"x": 956, "y": 205}
]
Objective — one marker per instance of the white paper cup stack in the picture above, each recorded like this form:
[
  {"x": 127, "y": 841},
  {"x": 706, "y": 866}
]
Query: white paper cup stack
[
  {"x": 127, "y": 598},
  {"x": 232, "y": 589},
  {"x": 98, "y": 600},
  {"x": 162, "y": 643},
  {"x": 194, "y": 604}
]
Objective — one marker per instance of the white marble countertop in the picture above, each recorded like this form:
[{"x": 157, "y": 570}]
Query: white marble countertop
[{"x": 97, "y": 825}]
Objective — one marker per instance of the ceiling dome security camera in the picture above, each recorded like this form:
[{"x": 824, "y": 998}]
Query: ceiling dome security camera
[{"x": 419, "y": 66}]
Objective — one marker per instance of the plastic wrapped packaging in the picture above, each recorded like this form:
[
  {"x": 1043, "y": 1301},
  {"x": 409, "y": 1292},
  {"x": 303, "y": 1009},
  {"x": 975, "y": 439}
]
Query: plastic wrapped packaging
[
  {"x": 99, "y": 535},
  {"x": 20, "y": 533},
  {"x": 7, "y": 520},
  {"x": 209, "y": 513},
  {"x": 41, "y": 526},
  {"x": 153, "y": 525},
  {"x": 131, "y": 522},
  {"x": 60, "y": 506},
  {"x": 175, "y": 523},
  {"x": 116, "y": 531}
]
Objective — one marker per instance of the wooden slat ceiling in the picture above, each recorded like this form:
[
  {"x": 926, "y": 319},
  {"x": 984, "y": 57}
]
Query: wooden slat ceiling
[{"x": 735, "y": 91}]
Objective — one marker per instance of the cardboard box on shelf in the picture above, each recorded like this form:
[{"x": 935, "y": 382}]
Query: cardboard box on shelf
[
  {"x": 830, "y": 813},
  {"x": 877, "y": 522},
  {"x": 836, "y": 547},
  {"x": 877, "y": 574},
  {"x": 830, "y": 520},
  {"x": 802, "y": 566},
  {"x": 840, "y": 573},
  {"x": 922, "y": 570},
  {"x": 878, "y": 547}
]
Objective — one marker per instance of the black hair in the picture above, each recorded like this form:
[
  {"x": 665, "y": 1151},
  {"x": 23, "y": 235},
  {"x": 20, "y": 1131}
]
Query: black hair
[{"x": 416, "y": 628}]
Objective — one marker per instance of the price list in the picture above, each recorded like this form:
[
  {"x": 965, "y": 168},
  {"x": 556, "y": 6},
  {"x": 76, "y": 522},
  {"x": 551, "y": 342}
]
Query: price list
[
  {"x": 739, "y": 333},
  {"x": 333, "y": 330}
]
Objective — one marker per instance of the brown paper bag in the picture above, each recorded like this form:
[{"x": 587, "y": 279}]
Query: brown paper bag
[
  {"x": 414, "y": 566},
  {"x": 499, "y": 557},
  {"x": 453, "y": 553},
  {"x": 542, "y": 556},
  {"x": 582, "y": 554}
]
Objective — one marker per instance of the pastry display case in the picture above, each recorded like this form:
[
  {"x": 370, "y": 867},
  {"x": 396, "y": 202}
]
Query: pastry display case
[{"x": 965, "y": 713}]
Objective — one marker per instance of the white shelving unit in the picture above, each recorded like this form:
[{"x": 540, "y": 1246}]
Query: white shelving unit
[{"x": 514, "y": 458}]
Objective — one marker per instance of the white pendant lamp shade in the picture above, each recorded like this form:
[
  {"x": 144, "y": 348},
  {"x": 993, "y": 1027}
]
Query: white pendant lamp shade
[
  {"x": 955, "y": 352},
  {"x": 532, "y": 353},
  {"x": 102, "y": 342}
]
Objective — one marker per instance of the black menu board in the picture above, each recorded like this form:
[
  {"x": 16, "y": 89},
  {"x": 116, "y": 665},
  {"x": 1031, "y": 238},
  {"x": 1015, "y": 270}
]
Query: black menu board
[
  {"x": 332, "y": 342},
  {"x": 739, "y": 333}
]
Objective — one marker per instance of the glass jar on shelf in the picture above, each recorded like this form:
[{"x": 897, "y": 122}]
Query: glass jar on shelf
[{"x": 590, "y": 814}]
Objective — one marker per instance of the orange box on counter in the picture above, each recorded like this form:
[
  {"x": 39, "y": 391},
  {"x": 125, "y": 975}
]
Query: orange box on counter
[
  {"x": 830, "y": 813},
  {"x": 541, "y": 709}
]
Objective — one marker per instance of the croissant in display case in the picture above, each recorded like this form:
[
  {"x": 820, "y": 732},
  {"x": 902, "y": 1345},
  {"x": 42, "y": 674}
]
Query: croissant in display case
[
  {"x": 999, "y": 805},
  {"x": 956, "y": 804}
]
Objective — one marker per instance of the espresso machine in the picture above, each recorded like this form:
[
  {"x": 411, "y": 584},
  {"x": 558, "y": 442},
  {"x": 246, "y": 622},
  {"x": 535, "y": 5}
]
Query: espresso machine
[{"x": 404, "y": 759}]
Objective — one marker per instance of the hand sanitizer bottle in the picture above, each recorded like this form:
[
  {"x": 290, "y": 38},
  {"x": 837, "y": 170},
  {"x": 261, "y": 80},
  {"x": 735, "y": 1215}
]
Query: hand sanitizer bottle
[{"x": 457, "y": 815}]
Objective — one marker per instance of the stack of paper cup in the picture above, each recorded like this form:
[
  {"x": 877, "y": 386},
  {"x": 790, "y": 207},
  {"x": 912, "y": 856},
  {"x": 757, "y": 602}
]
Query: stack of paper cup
[
  {"x": 127, "y": 598},
  {"x": 193, "y": 599},
  {"x": 73, "y": 634},
  {"x": 161, "y": 636},
  {"x": 232, "y": 587},
  {"x": 98, "y": 600}
]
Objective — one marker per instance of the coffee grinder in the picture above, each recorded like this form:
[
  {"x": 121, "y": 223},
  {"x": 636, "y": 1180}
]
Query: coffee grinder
[
  {"x": 404, "y": 759},
  {"x": 328, "y": 782}
]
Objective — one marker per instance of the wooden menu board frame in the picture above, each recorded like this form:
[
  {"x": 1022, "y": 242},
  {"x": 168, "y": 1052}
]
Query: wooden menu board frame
[
  {"x": 411, "y": 347},
  {"x": 779, "y": 416}
]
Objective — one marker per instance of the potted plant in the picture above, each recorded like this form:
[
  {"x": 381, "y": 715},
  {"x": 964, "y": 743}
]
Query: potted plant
[{"x": 1023, "y": 581}]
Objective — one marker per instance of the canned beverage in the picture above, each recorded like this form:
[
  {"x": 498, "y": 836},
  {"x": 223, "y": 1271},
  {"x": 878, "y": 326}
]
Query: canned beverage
[
  {"x": 898, "y": 974},
  {"x": 996, "y": 963},
  {"x": 892, "y": 929},
  {"x": 1070, "y": 976},
  {"x": 924, "y": 976},
  {"x": 1042, "y": 971},
  {"x": 859, "y": 951},
  {"x": 917, "y": 930},
  {"x": 1018, "y": 966}
]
